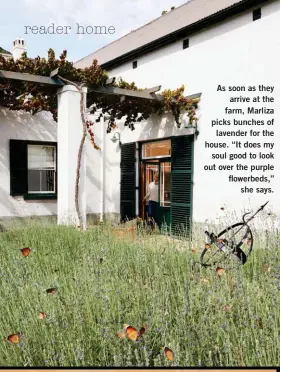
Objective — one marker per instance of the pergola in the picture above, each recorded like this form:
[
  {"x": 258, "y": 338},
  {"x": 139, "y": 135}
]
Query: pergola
[{"x": 69, "y": 132}]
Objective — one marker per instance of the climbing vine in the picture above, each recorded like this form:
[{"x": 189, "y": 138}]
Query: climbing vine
[{"x": 33, "y": 98}]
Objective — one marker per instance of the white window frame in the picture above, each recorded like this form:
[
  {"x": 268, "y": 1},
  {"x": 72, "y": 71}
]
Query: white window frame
[{"x": 55, "y": 170}]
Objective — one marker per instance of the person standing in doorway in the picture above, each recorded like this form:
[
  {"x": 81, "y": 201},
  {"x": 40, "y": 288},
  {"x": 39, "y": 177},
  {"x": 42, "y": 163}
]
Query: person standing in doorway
[{"x": 153, "y": 197}]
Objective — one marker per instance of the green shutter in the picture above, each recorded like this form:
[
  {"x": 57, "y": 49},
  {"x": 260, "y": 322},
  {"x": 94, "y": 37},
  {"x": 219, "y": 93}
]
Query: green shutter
[
  {"x": 128, "y": 181},
  {"x": 182, "y": 148},
  {"x": 18, "y": 167}
]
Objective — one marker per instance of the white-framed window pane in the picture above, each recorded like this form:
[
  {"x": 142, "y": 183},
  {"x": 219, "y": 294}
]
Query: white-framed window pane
[
  {"x": 41, "y": 157},
  {"x": 156, "y": 149},
  {"x": 41, "y": 169}
]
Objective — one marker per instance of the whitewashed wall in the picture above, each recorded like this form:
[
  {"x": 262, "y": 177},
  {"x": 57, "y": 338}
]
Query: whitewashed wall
[{"x": 239, "y": 52}]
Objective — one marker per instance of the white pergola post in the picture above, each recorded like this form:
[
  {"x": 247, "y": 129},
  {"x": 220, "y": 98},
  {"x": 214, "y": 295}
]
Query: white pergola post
[{"x": 69, "y": 134}]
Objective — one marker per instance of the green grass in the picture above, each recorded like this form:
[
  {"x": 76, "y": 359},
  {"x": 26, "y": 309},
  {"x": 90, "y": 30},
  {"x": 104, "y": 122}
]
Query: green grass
[{"x": 103, "y": 283}]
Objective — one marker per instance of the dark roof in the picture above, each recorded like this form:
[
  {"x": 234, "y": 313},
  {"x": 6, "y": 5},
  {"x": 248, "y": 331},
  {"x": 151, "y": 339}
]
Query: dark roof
[
  {"x": 4, "y": 51},
  {"x": 170, "y": 27}
]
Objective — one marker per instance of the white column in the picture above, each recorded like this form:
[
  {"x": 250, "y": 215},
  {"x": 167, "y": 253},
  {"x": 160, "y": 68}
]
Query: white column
[
  {"x": 102, "y": 167},
  {"x": 69, "y": 134}
]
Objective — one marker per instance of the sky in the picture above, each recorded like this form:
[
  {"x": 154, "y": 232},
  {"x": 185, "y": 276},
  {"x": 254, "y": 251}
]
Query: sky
[{"x": 123, "y": 15}]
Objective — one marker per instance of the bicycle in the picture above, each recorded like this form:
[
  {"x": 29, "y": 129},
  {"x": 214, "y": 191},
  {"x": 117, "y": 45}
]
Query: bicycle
[{"x": 226, "y": 246}]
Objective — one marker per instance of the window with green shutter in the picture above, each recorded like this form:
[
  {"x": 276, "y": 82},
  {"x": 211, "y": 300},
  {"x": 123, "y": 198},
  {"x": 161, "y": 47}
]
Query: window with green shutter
[
  {"x": 182, "y": 148},
  {"x": 33, "y": 169},
  {"x": 128, "y": 182}
]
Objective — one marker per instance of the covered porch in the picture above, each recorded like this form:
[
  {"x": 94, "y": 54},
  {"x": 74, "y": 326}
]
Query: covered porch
[{"x": 69, "y": 133}]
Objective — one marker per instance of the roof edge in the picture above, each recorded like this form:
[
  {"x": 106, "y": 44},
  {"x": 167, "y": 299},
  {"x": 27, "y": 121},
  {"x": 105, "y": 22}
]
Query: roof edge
[
  {"x": 4, "y": 51},
  {"x": 182, "y": 32},
  {"x": 137, "y": 29}
]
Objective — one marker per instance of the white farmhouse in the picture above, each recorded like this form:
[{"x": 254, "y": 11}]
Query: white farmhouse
[{"x": 201, "y": 44}]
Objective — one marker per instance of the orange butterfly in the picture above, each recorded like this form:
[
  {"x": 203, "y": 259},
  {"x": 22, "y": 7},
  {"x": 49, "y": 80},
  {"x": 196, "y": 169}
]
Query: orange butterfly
[
  {"x": 25, "y": 251},
  {"x": 226, "y": 307},
  {"x": 51, "y": 290},
  {"x": 14, "y": 338},
  {"x": 42, "y": 315},
  {"x": 168, "y": 353},
  {"x": 131, "y": 332},
  {"x": 207, "y": 246},
  {"x": 194, "y": 251},
  {"x": 220, "y": 271}
]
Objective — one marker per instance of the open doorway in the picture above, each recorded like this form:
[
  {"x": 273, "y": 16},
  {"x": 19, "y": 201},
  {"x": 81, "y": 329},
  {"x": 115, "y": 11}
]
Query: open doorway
[
  {"x": 155, "y": 159},
  {"x": 174, "y": 159}
]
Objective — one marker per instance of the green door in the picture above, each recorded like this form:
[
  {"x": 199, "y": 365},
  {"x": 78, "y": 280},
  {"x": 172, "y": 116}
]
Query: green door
[
  {"x": 182, "y": 149},
  {"x": 174, "y": 163}
]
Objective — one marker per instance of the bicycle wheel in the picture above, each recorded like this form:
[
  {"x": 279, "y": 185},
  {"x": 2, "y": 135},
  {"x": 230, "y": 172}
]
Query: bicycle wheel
[{"x": 237, "y": 244}]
